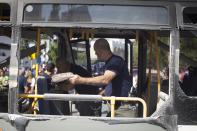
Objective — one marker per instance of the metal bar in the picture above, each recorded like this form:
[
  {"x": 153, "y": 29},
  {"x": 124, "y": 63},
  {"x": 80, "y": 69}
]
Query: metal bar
[
  {"x": 113, "y": 101},
  {"x": 88, "y": 56},
  {"x": 97, "y": 25},
  {"x": 31, "y": 96},
  {"x": 157, "y": 63},
  {"x": 127, "y": 99},
  {"x": 37, "y": 55},
  {"x": 173, "y": 66},
  {"x": 131, "y": 61},
  {"x": 142, "y": 53},
  {"x": 126, "y": 51},
  {"x": 13, "y": 68},
  {"x": 150, "y": 68},
  {"x": 72, "y": 97},
  {"x": 70, "y": 47},
  {"x": 37, "y": 52}
]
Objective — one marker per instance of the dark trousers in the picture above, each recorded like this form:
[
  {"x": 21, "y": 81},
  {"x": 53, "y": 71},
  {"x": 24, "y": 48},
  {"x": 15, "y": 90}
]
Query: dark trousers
[{"x": 89, "y": 108}]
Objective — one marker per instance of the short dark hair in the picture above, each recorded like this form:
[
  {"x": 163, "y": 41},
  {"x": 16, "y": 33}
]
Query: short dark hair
[
  {"x": 102, "y": 44},
  {"x": 50, "y": 67}
]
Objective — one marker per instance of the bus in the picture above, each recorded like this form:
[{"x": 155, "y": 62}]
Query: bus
[{"x": 151, "y": 35}]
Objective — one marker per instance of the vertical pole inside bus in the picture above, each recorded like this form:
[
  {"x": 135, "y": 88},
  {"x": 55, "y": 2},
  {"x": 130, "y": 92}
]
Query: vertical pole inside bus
[
  {"x": 142, "y": 52},
  {"x": 131, "y": 60},
  {"x": 88, "y": 55},
  {"x": 37, "y": 65}
]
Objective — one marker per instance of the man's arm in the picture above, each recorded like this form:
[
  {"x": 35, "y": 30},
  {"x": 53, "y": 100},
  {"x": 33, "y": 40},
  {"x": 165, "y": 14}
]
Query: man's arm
[{"x": 104, "y": 79}]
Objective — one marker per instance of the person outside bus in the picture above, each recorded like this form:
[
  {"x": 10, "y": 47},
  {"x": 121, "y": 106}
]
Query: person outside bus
[
  {"x": 44, "y": 86},
  {"x": 30, "y": 82},
  {"x": 116, "y": 72},
  {"x": 3, "y": 80}
]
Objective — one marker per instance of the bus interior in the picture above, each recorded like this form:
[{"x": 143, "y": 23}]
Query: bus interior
[{"x": 160, "y": 52}]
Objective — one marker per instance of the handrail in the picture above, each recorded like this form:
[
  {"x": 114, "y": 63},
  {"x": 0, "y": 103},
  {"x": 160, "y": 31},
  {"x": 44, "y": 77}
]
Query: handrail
[
  {"x": 72, "y": 97},
  {"x": 113, "y": 99},
  {"x": 31, "y": 96}
]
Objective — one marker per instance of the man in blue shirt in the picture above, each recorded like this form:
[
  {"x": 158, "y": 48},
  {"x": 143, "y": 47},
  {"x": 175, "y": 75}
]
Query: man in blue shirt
[{"x": 116, "y": 72}]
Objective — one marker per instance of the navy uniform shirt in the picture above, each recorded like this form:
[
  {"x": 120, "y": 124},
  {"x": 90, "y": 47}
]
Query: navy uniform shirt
[{"x": 121, "y": 83}]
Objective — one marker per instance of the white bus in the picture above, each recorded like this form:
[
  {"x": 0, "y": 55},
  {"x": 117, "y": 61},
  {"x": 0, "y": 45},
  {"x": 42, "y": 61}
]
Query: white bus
[{"x": 155, "y": 34}]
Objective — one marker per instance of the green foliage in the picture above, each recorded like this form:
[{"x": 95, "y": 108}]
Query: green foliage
[
  {"x": 135, "y": 54},
  {"x": 188, "y": 47},
  {"x": 163, "y": 58},
  {"x": 163, "y": 55},
  {"x": 80, "y": 58},
  {"x": 25, "y": 43},
  {"x": 53, "y": 51}
]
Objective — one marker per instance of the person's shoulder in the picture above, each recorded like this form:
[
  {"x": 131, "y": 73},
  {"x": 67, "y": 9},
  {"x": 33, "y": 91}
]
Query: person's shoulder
[{"x": 117, "y": 59}]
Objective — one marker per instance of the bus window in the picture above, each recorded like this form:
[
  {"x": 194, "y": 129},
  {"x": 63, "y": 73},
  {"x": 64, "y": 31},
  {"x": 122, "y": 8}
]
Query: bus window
[
  {"x": 38, "y": 47},
  {"x": 156, "y": 72},
  {"x": 157, "y": 61},
  {"x": 4, "y": 12},
  {"x": 79, "y": 53},
  {"x": 163, "y": 42},
  {"x": 145, "y": 34},
  {"x": 190, "y": 15},
  {"x": 96, "y": 14},
  {"x": 144, "y": 65},
  {"x": 188, "y": 62},
  {"x": 5, "y": 45}
]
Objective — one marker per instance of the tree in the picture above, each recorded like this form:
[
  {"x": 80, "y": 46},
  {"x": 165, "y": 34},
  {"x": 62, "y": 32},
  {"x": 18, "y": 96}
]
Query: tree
[{"x": 53, "y": 51}]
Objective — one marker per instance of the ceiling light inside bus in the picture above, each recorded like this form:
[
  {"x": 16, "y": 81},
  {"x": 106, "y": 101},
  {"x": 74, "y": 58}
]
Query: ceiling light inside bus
[{"x": 29, "y": 8}]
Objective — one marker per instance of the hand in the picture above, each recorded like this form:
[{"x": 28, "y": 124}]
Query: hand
[
  {"x": 102, "y": 93},
  {"x": 74, "y": 79}
]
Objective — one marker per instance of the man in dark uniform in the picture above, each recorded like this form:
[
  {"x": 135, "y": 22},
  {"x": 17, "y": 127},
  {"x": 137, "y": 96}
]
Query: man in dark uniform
[{"x": 116, "y": 72}]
